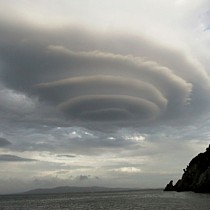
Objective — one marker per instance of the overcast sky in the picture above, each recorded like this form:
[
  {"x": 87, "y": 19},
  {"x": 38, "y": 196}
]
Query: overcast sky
[{"x": 111, "y": 93}]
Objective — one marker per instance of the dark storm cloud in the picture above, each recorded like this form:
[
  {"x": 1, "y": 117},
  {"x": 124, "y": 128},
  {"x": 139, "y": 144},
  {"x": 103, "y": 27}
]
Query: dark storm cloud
[
  {"x": 91, "y": 76},
  {"x": 13, "y": 158},
  {"x": 4, "y": 142}
]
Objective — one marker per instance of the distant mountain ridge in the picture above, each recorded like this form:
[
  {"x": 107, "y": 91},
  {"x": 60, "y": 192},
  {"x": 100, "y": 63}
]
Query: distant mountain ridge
[{"x": 73, "y": 189}]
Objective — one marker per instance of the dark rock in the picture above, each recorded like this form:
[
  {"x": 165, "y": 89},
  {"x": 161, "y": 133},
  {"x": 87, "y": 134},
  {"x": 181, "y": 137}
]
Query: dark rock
[
  {"x": 203, "y": 184},
  {"x": 196, "y": 176},
  {"x": 169, "y": 186}
]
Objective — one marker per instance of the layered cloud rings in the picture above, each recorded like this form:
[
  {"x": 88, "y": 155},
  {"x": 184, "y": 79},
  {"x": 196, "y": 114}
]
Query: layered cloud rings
[
  {"x": 92, "y": 76},
  {"x": 122, "y": 88}
]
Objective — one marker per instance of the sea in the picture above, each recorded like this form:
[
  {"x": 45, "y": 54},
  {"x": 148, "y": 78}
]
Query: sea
[{"x": 130, "y": 200}]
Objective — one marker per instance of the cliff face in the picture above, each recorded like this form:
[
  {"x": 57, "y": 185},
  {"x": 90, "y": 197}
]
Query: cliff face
[{"x": 196, "y": 176}]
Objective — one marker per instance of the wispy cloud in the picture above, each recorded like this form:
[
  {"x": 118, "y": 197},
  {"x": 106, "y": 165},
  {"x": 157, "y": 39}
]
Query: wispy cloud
[
  {"x": 4, "y": 142},
  {"x": 14, "y": 158}
]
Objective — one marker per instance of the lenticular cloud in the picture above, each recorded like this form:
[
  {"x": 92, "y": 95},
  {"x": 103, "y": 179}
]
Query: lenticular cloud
[
  {"x": 115, "y": 87},
  {"x": 91, "y": 76}
]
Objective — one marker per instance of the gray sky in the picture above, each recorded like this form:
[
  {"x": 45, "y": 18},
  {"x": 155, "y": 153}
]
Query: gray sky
[{"x": 110, "y": 93}]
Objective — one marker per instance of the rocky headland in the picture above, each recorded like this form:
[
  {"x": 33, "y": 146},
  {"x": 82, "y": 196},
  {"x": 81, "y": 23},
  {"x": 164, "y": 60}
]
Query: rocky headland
[{"x": 196, "y": 176}]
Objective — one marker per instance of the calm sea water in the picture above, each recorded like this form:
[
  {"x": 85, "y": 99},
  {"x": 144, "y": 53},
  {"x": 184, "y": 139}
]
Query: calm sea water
[{"x": 146, "y": 199}]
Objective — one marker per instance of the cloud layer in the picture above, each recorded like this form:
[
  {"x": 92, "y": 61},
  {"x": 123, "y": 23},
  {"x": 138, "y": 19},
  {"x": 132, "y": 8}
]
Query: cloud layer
[
  {"x": 90, "y": 76},
  {"x": 13, "y": 158},
  {"x": 4, "y": 142}
]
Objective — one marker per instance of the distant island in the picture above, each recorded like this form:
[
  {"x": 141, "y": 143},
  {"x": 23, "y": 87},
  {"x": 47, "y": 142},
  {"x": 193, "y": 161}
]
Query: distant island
[
  {"x": 74, "y": 189},
  {"x": 196, "y": 176}
]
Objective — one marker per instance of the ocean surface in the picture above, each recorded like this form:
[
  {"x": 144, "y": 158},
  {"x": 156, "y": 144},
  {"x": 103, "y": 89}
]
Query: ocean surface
[{"x": 145, "y": 199}]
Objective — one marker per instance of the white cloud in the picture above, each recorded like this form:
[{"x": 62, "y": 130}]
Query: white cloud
[
  {"x": 135, "y": 138},
  {"x": 12, "y": 101},
  {"x": 127, "y": 170}
]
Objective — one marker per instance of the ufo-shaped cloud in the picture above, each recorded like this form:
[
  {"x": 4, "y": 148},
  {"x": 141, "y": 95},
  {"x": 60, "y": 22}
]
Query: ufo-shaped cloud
[{"x": 90, "y": 76}]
